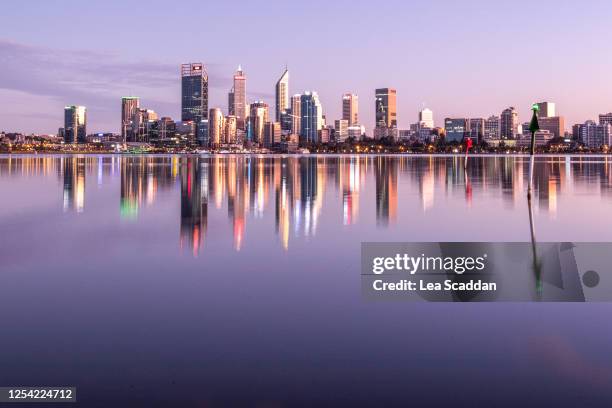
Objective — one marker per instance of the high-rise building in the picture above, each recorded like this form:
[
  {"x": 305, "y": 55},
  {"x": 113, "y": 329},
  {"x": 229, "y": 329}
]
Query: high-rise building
[
  {"x": 239, "y": 97},
  {"x": 350, "y": 108},
  {"x": 605, "y": 118},
  {"x": 194, "y": 92},
  {"x": 476, "y": 129},
  {"x": 230, "y": 102},
  {"x": 202, "y": 131},
  {"x": 215, "y": 127},
  {"x": 508, "y": 123},
  {"x": 75, "y": 124},
  {"x": 594, "y": 136},
  {"x": 258, "y": 116},
  {"x": 386, "y": 108},
  {"x": 282, "y": 94},
  {"x": 491, "y": 127},
  {"x": 456, "y": 129},
  {"x": 142, "y": 120},
  {"x": 341, "y": 129},
  {"x": 311, "y": 117},
  {"x": 296, "y": 114},
  {"x": 230, "y": 130},
  {"x": 426, "y": 119},
  {"x": 546, "y": 109},
  {"x": 272, "y": 134},
  {"x": 554, "y": 124},
  {"x": 129, "y": 107}
]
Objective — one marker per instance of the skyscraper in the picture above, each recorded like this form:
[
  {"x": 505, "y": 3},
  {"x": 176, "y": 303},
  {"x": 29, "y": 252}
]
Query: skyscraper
[
  {"x": 386, "y": 113},
  {"x": 350, "y": 108},
  {"x": 75, "y": 124},
  {"x": 129, "y": 107},
  {"x": 194, "y": 92},
  {"x": 296, "y": 114},
  {"x": 476, "y": 129},
  {"x": 215, "y": 127},
  {"x": 239, "y": 97},
  {"x": 491, "y": 127},
  {"x": 508, "y": 123},
  {"x": 426, "y": 118},
  {"x": 258, "y": 116},
  {"x": 311, "y": 117},
  {"x": 386, "y": 108},
  {"x": 282, "y": 94},
  {"x": 546, "y": 109}
]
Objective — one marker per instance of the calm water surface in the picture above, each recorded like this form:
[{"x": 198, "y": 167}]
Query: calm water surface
[{"x": 235, "y": 281}]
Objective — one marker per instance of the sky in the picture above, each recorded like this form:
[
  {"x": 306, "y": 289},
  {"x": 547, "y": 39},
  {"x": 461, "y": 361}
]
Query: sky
[{"x": 458, "y": 58}]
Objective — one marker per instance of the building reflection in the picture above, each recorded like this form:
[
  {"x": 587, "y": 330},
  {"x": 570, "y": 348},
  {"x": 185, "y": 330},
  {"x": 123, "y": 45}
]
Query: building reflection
[
  {"x": 385, "y": 169},
  {"x": 300, "y": 190},
  {"x": 73, "y": 170}
]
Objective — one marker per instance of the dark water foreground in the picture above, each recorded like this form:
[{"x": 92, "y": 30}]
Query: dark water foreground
[{"x": 235, "y": 281}]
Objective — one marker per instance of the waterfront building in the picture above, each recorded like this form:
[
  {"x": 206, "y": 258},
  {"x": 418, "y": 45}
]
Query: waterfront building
[
  {"x": 491, "y": 127},
  {"x": 258, "y": 116},
  {"x": 75, "y": 124},
  {"x": 426, "y": 118},
  {"x": 350, "y": 108},
  {"x": 341, "y": 129},
  {"x": 129, "y": 107},
  {"x": 239, "y": 97},
  {"x": 456, "y": 129},
  {"x": 311, "y": 117},
  {"x": 272, "y": 134},
  {"x": 508, "y": 123},
  {"x": 215, "y": 127},
  {"x": 282, "y": 94},
  {"x": 194, "y": 92},
  {"x": 296, "y": 114},
  {"x": 476, "y": 129},
  {"x": 546, "y": 109}
]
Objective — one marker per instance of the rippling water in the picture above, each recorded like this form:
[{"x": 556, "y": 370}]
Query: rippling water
[{"x": 234, "y": 280}]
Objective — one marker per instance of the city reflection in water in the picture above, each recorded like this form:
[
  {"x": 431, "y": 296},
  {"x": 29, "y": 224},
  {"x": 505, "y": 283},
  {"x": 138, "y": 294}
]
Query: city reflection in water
[{"x": 297, "y": 188}]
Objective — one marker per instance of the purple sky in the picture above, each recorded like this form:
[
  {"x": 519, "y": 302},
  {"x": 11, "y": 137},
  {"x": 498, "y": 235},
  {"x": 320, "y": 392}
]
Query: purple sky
[{"x": 459, "y": 58}]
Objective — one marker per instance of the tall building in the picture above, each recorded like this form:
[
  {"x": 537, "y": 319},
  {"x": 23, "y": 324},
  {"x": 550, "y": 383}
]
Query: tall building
[
  {"x": 258, "y": 116},
  {"x": 272, "y": 134},
  {"x": 508, "y": 123},
  {"x": 230, "y": 102},
  {"x": 282, "y": 94},
  {"x": 75, "y": 124},
  {"x": 594, "y": 136},
  {"x": 202, "y": 132},
  {"x": 230, "y": 130},
  {"x": 605, "y": 118},
  {"x": 546, "y": 109},
  {"x": 296, "y": 114},
  {"x": 426, "y": 119},
  {"x": 341, "y": 129},
  {"x": 143, "y": 119},
  {"x": 386, "y": 108},
  {"x": 491, "y": 127},
  {"x": 194, "y": 92},
  {"x": 215, "y": 127},
  {"x": 476, "y": 128},
  {"x": 311, "y": 117},
  {"x": 239, "y": 96},
  {"x": 554, "y": 124},
  {"x": 350, "y": 108},
  {"x": 456, "y": 129},
  {"x": 129, "y": 107}
]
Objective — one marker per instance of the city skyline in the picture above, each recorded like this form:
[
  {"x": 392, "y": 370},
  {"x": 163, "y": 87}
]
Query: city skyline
[{"x": 46, "y": 69}]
